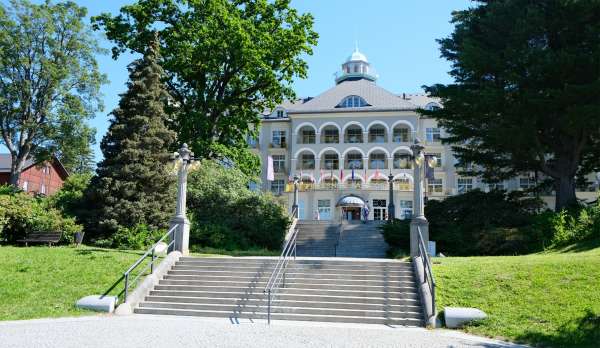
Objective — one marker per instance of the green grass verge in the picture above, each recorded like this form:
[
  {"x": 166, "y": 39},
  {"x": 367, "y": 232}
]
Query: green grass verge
[
  {"x": 39, "y": 282},
  {"x": 550, "y": 299}
]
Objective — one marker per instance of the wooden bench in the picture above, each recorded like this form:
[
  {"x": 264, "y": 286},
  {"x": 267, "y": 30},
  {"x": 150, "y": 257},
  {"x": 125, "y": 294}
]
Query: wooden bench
[{"x": 41, "y": 237}]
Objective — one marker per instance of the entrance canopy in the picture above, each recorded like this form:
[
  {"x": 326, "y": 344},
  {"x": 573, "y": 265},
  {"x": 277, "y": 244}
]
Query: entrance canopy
[{"x": 351, "y": 201}]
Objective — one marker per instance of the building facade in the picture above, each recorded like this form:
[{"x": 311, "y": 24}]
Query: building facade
[
  {"x": 37, "y": 177},
  {"x": 346, "y": 143}
]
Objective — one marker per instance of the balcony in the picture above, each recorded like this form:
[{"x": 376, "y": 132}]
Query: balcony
[
  {"x": 306, "y": 187},
  {"x": 281, "y": 145}
]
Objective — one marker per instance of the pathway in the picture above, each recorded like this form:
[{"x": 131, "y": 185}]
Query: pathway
[{"x": 169, "y": 331}]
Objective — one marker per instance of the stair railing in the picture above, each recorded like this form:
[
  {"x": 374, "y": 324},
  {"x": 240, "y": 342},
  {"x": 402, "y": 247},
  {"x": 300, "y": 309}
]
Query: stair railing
[
  {"x": 425, "y": 259},
  {"x": 277, "y": 277},
  {"x": 151, "y": 252}
]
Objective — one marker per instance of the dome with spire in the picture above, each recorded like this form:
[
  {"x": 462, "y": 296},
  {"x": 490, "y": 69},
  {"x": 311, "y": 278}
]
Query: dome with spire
[{"x": 356, "y": 67}]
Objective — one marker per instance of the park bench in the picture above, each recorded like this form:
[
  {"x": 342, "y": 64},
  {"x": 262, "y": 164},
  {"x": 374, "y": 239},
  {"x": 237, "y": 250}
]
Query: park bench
[{"x": 41, "y": 237}]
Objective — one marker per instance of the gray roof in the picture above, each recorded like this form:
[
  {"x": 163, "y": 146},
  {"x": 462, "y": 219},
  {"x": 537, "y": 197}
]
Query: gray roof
[
  {"x": 378, "y": 98},
  {"x": 6, "y": 161}
]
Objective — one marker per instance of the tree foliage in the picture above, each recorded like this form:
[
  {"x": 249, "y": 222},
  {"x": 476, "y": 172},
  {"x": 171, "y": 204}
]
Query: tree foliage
[
  {"x": 226, "y": 214},
  {"x": 133, "y": 185},
  {"x": 226, "y": 61},
  {"x": 526, "y": 90},
  {"x": 49, "y": 80}
]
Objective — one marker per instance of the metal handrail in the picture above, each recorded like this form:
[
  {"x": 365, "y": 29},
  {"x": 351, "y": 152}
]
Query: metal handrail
[
  {"x": 278, "y": 274},
  {"x": 150, "y": 252},
  {"x": 427, "y": 267}
]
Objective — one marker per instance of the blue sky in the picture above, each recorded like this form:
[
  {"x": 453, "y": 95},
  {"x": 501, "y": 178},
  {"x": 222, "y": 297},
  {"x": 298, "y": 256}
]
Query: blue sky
[{"x": 397, "y": 36}]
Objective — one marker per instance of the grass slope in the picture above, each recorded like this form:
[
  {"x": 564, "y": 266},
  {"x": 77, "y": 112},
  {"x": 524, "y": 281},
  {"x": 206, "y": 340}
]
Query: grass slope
[
  {"x": 548, "y": 300},
  {"x": 40, "y": 282}
]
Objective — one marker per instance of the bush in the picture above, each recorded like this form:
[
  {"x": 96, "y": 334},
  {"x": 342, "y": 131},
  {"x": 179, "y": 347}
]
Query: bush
[
  {"x": 480, "y": 223},
  {"x": 226, "y": 215},
  {"x": 139, "y": 237},
  {"x": 21, "y": 213},
  {"x": 69, "y": 199},
  {"x": 397, "y": 234},
  {"x": 575, "y": 226}
]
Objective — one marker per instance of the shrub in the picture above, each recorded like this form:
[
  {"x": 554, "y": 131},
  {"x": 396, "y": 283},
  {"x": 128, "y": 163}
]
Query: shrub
[
  {"x": 138, "y": 237},
  {"x": 397, "y": 234},
  {"x": 225, "y": 214},
  {"x": 569, "y": 227},
  {"x": 69, "y": 199},
  {"x": 21, "y": 213}
]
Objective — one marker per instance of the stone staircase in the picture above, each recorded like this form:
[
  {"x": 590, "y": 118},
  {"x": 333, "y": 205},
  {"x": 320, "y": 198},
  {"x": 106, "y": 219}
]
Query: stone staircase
[
  {"x": 350, "y": 239},
  {"x": 328, "y": 290},
  {"x": 361, "y": 240}
]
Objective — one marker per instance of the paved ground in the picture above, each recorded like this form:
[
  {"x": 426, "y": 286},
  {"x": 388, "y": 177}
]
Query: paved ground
[{"x": 169, "y": 331}]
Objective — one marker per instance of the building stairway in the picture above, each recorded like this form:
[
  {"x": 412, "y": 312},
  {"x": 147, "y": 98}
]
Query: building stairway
[
  {"x": 325, "y": 289},
  {"x": 349, "y": 239}
]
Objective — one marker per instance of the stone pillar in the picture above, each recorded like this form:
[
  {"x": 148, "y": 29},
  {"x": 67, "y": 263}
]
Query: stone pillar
[
  {"x": 418, "y": 222},
  {"x": 180, "y": 221},
  {"x": 295, "y": 205},
  {"x": 391, "y": 206}
]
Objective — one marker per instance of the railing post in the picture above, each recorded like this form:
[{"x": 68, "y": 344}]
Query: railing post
[
  {"x": 126, "y": 286},
  {"x": 152, "y": 262},
  {"x": 269, "y": 308}
]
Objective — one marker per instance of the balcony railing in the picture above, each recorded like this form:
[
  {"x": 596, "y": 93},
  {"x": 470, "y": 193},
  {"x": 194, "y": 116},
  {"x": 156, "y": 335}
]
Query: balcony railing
[
  {"x": 281, "y": 145},
  {"x": 305, "y": 187}
]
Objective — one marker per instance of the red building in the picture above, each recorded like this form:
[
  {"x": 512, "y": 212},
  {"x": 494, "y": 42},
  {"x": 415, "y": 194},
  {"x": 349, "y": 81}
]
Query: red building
[{"x": 43, "y": 177}]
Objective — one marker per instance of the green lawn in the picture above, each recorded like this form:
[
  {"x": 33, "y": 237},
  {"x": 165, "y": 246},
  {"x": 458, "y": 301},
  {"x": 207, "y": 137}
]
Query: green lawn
[
  {"x": 39, "y": 282},
  {"x": 549, "y": 300}
]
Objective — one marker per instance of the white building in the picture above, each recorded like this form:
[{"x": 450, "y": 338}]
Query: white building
[{"x": 345, "y": 142}]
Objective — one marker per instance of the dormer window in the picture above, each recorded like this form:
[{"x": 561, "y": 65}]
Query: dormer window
[
  {"x": 432, "y": 106},
  {"x": 352, "y": 101},
  {"x": 280, "y": 114}
]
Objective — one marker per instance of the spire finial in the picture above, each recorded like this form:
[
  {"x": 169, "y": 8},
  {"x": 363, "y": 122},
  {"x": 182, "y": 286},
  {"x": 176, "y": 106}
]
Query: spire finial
[{"x": 356, "y": 46}]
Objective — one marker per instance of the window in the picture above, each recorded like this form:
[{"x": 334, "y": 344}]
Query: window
[
  {"x": 401, "y": 135},
  {"x": 43, "y": 189},
  {"x": 354, "y": 135},
  {"x": 352, "y": 101},
  {"x": 464, "y": 185},
  {"x": 377, "y": 161},
  {"x": 279, "y": 163},
  {"x": 432, "y": 135},
  {"x": 331, "y": 161},
  {"x": 402, "y": 161},
  {"x": 354, "y": 161},
  {"x": 379, "y": 209},
  {"x": 307, "y": 136},
  {"x": 438, "y": 157},
  {"x": 435, "y": 186},
  {"x": 277, "y": 186},
  {"x": 432, "y": 107},
  {"x": 25, "y": 186},
  {"x": 324, "y": 207},
  {"x": 252, "y": 141},
  {"x": 331, "y": 136},
  {"x": 278, "y": 138},
  {"x": 377, "y": 134},
  {"x": 280, "y": 114},
  {"x": 307, "y": 161},
  {"x": 526, "y": 183},
  {"x": 403, "y": 184},
  {"x": 496, "y": 186},
  {"x": 406, "y": 209}
]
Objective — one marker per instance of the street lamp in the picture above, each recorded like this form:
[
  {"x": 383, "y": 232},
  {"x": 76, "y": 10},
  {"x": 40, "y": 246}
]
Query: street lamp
[
  {"x": 418, "y": 222},
  {"x": 184, "y": 159}
]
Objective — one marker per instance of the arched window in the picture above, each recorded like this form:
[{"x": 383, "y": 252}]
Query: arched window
[
  {"x": 307, "y": 161},
  {"x": 354, "y": 160},
  {"x": 353, "y": 101},
  {"x": 402, "y": 161},
  {"x": 306, "y": 135},
  {"x": 432, "y": 106}
]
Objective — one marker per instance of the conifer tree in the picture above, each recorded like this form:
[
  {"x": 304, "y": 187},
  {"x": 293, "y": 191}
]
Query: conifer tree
[{"x": 132, "y": 185}]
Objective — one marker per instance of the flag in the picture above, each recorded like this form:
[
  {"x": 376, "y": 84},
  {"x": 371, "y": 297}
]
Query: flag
[
  {"x": 290, "y": 177},
  {"x": 341, "y": 174},
  {"x": 352, "y": 173},
  {"x": 270, "y": 171},
  {"x": 429, "y": 169},
  {"x": 321, "y": 175},
  {"x": 376, "y": 173}
]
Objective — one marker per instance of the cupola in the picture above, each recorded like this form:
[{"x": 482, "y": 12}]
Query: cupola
[{"x": 356, "y": 67}]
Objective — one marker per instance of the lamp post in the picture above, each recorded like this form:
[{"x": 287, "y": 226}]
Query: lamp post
[
  {"x": 391, "y": 206},
  {"x": 295, "y": 205},
  {"x": 180, "y": 221},
  {"x": 418, "y": 221}
]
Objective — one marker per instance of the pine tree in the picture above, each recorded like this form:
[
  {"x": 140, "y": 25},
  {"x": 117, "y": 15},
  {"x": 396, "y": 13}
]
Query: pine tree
[{"x": 132, "y": 185}]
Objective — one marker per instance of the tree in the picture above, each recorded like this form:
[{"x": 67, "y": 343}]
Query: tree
[
  {"x": 133, "y": 185},
  {"x": 48, "y": 77},
  {"x": 226, "y": 61},
  {"x": 526, "y": 90}
]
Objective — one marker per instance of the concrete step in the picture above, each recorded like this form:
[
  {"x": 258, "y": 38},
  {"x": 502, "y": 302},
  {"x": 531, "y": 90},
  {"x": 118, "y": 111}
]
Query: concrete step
[
  {"x": 389, "y": 299},
  {"x": 293, "y": 274},
  {"x": 283, "y": 316},
  {"x": 404, "y": 305},
  {"x": 277, "y": 307},
  {"x": 293, "y": 284},
  {"x": 408, "y": 281}
]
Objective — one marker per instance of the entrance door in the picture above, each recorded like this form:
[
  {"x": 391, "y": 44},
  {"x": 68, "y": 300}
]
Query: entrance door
[
  {"x": 379, "y": 209},
  {"x": 351, "y": 213}
]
